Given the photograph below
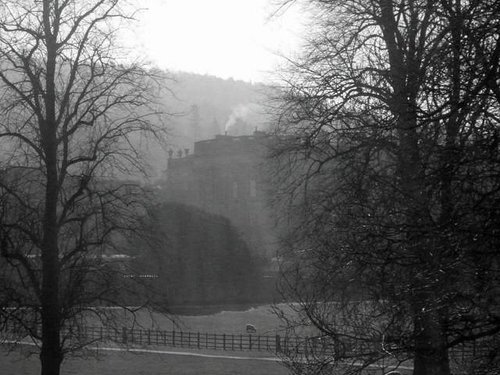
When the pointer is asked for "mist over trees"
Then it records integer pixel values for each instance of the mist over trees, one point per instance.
(216, 99)
(70, 114)
(204, 106)
(389, 169)
(211, 105)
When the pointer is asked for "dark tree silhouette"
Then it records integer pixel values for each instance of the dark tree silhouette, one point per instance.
(199, 258)
(389, 165)
(70, 113)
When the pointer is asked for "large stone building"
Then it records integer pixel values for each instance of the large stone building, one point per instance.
(226, 176)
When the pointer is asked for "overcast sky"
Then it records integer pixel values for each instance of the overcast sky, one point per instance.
(226, 38)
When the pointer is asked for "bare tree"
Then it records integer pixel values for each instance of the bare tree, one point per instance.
(71, 114)
(389, 162)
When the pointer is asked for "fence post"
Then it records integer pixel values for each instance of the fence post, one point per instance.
(198, 340)
(258, 343)
(173, 339)
(223, 341)
(278, 344)
(232, 342)
(241, 342)
(124, 335)
(250, 341)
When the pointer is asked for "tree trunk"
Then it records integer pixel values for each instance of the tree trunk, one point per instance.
(50, 359)
(51, 353)
(431, 354)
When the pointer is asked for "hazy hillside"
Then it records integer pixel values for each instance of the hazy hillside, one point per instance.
(203, 106)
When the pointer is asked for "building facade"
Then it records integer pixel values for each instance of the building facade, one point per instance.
(226, 176)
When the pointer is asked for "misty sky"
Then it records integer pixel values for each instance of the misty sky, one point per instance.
(226, 38)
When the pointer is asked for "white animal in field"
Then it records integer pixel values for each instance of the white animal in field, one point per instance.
(251, 328)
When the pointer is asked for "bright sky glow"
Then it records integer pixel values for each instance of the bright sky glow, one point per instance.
(226, 38)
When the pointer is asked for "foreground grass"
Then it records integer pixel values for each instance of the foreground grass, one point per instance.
(127, 363)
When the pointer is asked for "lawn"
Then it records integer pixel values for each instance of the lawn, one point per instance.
(127, 363)
(230, 322)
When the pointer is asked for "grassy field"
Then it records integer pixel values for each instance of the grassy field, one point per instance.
(119, 363)
(129, 363)
(231, 322)
(224, 321)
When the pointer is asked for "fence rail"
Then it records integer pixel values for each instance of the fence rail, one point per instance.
(200, 340)
(245, 342)
(276, 344)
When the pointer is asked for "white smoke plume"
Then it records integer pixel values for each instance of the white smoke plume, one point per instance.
(244, 119)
